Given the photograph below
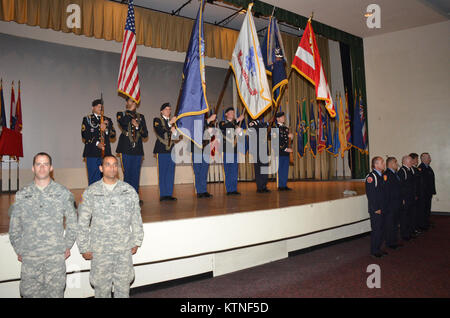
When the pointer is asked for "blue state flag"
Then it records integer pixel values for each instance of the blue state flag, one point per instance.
(193, 103)
(274, 58)
(358, 126)
(336, 142)
(312, 131)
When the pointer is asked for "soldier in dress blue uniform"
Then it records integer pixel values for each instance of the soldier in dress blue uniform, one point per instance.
(376, 197)
(200, 159)
(230, 128)
(428, 190)
(394, 202)
(284, 152)
(165, 133)
(415, 210)
(256, 127)
(90, 133)
(408, 192)
(134, 129)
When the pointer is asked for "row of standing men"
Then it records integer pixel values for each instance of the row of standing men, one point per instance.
(134, 129)
(399, 200)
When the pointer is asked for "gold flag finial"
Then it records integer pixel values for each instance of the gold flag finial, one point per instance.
(311, 16)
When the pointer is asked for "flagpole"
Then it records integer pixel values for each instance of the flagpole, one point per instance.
(222, 92)
(283, 89)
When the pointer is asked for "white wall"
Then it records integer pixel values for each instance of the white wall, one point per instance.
(407, 74)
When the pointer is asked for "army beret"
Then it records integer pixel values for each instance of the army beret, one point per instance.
(96, 102)
(228, 109)
(164, 106)
(279, 114)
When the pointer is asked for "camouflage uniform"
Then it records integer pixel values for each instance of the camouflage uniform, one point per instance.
(36, 232)
(109, 226)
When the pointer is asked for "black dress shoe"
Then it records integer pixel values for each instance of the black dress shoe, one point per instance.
(384, 253)
(171, 198)
(265, 190)
(236, 193)
(162, 198)
(200, 195)
(281, 189)
(377, 255)
(287, 189)
(393, 247)
(207, 195)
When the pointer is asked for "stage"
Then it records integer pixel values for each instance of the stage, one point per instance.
(221, 234)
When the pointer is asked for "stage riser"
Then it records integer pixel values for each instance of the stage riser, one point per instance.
(218, 244)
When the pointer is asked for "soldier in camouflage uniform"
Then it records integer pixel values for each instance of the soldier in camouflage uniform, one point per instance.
(36, 232)
(110, 231)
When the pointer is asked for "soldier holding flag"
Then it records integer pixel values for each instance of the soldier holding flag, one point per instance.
(91, 134)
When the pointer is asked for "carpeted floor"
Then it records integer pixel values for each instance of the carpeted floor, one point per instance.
(421, 268)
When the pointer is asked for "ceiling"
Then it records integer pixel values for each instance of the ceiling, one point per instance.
(346, 15)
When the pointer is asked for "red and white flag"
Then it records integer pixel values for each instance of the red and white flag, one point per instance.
(307, 62)
(128, 82)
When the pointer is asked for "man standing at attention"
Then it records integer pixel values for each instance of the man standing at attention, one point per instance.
(134, 129)
(165, 133)
(110, 231)
(36, 232)
(91, 132)
(376, 197)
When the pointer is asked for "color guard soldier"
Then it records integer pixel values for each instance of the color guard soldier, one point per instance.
(376, 197)
(408, 191)
(165, 133)
(230, 128)
(256, 127)
(394, 202)
(134, 129)
(284, 152)
(200, 165)
(91, 130)
(428, 189)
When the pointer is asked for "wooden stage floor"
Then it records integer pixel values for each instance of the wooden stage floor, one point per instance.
(189, 206)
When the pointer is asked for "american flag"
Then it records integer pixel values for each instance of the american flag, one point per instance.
(128, 81)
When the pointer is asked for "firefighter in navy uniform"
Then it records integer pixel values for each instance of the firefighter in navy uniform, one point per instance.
(394, 202)
(230, 128)
(90, 133)
(428, 190)
(165, 133)
(417, 177)
(376, 197)
(134, 129)
(408, 192)
(284, 152)
(200, 165)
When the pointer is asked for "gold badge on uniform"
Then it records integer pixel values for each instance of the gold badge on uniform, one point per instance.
(385, 177)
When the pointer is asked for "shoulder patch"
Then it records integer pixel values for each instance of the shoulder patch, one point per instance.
(156, 123)
(369, 179)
